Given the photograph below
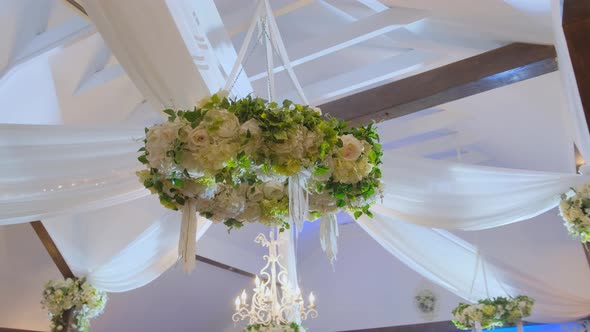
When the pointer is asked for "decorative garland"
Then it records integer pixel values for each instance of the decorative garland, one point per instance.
(575, 211)
(494, 312)
(234, 159)
(84, 299)
(293, 327)
(425, 301)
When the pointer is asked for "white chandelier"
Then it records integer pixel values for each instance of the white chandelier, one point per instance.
(275, 303)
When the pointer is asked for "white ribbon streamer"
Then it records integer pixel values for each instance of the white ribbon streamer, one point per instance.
(329, 236)
(298, 200)
(478, 326)
(187, 243)
(519, 327)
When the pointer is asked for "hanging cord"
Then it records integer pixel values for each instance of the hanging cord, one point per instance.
(475, 272)
(485, 277)
(282, 51)
(238, 64)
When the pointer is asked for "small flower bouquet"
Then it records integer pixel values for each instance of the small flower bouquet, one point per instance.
(78, 295)
(575, 211)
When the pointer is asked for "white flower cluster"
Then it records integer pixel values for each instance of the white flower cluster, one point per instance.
(84, 299)
(492, 312)
(233, 160)
(272, 328)
(426, 301)
(575, 211)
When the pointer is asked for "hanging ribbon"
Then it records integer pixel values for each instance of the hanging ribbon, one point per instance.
(478, 327)
(187, 243)
(329, 236)
(519, 327)
(298, 200)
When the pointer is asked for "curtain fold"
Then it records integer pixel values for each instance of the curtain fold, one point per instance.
(451, 195)
(55, 170)
(122, 247)
(457, 266)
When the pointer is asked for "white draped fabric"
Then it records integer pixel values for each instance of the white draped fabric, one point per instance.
(56, 170)
(457, 265)
(122, 247)
(81, 183)
(147, 44)
(452, 195)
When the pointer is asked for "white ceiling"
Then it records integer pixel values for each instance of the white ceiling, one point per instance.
(55, 68)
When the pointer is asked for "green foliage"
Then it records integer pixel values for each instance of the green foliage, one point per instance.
(278, 129)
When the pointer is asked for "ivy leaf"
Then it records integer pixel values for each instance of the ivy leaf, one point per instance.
(143, 159)
(321, 170)
(357, 214)
(178, 183)
(169, 111)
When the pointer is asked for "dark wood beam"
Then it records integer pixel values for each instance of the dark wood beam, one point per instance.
(76, 5)
(59, 261)
(224, 266)
(576, 28)
(490, 70)
(52, 249)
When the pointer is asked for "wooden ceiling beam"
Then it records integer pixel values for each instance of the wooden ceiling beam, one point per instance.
(59, 261)
(52, 249)
(576, 29)
(224, 267)
(490, 70)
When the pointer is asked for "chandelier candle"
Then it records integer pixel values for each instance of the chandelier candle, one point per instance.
(275, 304)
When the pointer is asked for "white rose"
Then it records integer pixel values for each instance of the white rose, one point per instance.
(198, 137)
(351, 147)
(251, 126)
(273, 190)
(159, 140)
(225, 123)
(251, 213)
(228, 203)
(254, 194)
(311, 143)
(316, 109)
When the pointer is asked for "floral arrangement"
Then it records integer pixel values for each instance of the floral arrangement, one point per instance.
(425, 301)
(81, 297)
(490, 313)
(234, 161)
(575, 211)
(293, 327)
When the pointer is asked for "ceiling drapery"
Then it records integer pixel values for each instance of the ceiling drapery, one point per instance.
(80, 188)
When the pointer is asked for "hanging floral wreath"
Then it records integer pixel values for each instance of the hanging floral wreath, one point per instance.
(494, 312)
(234, 159)
(84, 299)
(575, 211)
(293, 327)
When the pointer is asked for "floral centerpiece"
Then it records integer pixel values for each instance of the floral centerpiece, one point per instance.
(475, 316)
(78, 295)
(293, 327)
(493, 312)
(575, 210)
(516, 309)
(248, 160)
